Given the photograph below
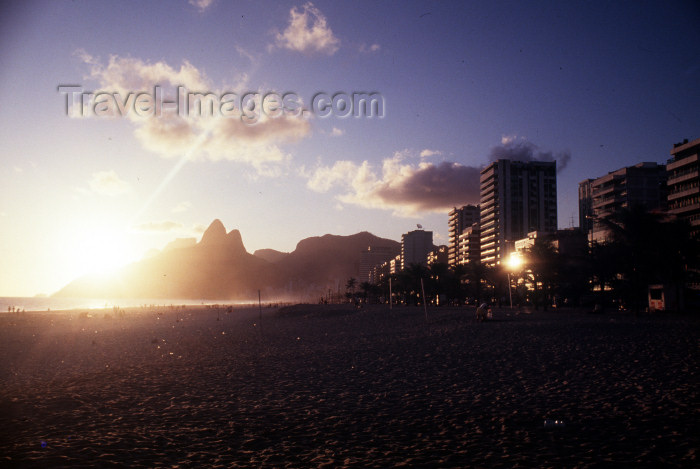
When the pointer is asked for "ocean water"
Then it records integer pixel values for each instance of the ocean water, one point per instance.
(57, 304)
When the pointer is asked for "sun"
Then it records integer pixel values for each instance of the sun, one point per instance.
(100, 250)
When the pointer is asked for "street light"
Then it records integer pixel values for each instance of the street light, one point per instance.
(513, 263)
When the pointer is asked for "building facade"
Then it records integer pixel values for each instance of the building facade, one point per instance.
(371, 257)
(469, 245)
(643, 184)
(585, 205)
(438, 255)
(460, 219)
(415, 246)
(516, 198)
(683, 183)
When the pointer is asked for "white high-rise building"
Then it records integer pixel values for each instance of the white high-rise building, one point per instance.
(516, 197)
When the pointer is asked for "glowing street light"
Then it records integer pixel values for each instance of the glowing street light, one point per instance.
(514, 262)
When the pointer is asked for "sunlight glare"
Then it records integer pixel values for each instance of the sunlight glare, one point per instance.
(100, 250)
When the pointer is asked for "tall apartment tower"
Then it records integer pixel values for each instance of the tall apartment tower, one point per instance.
(516, 197)
(585, 205)
(469, 245)
(683, 182)
(460, 219)
(415, 247)
(642, 184)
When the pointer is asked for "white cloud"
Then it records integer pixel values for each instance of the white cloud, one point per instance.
(109, 183)
(254, 142)
(199, 228)
(182, 207)
(128, 74)
(308, 32)
(336, 132)
(165, 226)
(406, 189)
(369, 49)
(326, 177)
(428, 153)
(202, 5)
(506, 139)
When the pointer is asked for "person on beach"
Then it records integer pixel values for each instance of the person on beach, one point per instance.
(482, 312)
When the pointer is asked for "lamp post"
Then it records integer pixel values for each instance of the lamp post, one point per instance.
(513, 263)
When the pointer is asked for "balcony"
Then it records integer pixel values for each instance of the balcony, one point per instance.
(676, 210)
(682, 162)
(685, 193)
(683, 176)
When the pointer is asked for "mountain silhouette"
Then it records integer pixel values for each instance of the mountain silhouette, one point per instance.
(270, 255)
(327, 262)
(219, 267)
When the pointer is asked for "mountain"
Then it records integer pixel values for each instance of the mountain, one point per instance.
(219, 267)
(270, 255)
(179, 243)
(320, 263)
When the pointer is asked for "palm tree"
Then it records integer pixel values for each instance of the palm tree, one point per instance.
(350, 287)
(366, 288)
(438, 280)
(542, 263)
(650, 248)
(604, 267)
(476, 276)
(454, 289)
(409, 281)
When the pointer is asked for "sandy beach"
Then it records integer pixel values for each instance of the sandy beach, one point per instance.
(332, 386)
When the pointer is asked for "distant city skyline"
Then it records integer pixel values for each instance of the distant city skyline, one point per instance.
(595, 86)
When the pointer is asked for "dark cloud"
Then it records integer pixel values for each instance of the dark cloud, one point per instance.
(432, 187)
(522, 150)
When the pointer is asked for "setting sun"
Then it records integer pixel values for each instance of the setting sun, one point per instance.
(98, 250)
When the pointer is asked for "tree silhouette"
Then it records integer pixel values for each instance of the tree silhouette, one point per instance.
(351, 284)
(647, 248)
(350, 287)
(476, 276)
(603, 269)
(409, 282)
(542, 263)
(438, 280)
(367, 288)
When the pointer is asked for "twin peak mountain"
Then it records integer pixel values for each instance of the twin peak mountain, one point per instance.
(219, 267)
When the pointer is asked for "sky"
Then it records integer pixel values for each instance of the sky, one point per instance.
(97, 180)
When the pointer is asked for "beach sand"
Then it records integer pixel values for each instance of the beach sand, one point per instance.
(332, 386)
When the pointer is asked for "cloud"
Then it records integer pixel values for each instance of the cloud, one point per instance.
(368, 50)
(125, 74)
(173, 134)
(520, 149)
(428, 153)
(308, 32)
(202, 5)
(406, 189)
(181, 207)
(159, 226)
(109, 183)
(336, 132)
(199, 228)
